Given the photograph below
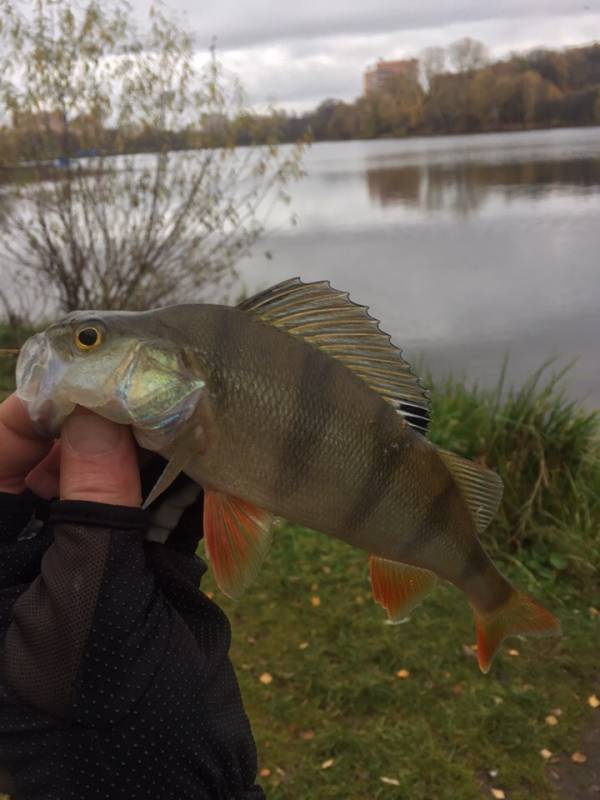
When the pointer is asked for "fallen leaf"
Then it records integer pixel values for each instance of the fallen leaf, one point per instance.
(315, 601)
(578, 758)
(593, 701)
(458, 688)
(280, 771)
(557, 712)
(551, 720)
(390, 781)
(498, 794)
(303, 645)
(513, 652)
(210, 595)
(265, 772)
(594, 612)
(545, 754)
(326, 569)
(307, 735)
(327, 764)
(314, 587)
(266, 678)
(403, 673)
(469, 650)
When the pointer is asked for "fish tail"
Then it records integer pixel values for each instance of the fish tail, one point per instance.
(519, 615)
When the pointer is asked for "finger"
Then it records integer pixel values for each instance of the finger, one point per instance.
(98, 461)
(43, 479)
(21, 446)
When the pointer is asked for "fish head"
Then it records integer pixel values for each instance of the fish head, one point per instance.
(115, 364)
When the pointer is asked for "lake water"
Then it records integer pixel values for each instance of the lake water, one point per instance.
(466, 248)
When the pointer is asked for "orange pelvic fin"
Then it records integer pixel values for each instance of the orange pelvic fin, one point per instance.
(520, 615)
(237, 536)
(398, 587)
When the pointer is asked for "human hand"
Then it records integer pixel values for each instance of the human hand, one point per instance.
(21, 446)
(95, 459)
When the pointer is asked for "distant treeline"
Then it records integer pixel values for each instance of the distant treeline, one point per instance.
(540, 89)
(448, 90)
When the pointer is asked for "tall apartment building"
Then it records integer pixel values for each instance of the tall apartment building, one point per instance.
(375, 77)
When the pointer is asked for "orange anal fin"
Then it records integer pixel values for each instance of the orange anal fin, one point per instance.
(398, 587)
(237, 536)
(521, 615)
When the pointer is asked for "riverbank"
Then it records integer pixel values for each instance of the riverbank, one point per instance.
(343, 705)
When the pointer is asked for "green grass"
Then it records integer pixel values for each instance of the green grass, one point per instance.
(445, 730)
(546, 449)
(438, 732)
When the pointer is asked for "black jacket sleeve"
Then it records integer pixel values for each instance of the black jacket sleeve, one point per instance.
(114, 642)
(23, 541)
(52, 620)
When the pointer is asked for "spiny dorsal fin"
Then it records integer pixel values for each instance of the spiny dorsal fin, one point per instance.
(328, 319)
(481, 488)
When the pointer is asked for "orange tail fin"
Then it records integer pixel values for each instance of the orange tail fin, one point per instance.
(519, 615)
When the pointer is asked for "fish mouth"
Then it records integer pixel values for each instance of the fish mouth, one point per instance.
(39, 370)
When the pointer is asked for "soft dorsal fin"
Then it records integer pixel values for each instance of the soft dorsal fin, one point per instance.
(328, 319)
(481, 488)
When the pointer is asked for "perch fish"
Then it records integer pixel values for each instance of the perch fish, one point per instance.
(295, 404)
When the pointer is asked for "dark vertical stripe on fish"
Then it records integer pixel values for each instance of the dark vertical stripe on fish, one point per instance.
(476, 562)
(310, 422)
(386, 454)
(433, 522)
(227, 340)
(477, 567)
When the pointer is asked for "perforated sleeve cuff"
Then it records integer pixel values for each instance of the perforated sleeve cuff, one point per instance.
(102, 515)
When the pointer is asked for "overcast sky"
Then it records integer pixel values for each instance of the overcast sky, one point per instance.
(296, 53)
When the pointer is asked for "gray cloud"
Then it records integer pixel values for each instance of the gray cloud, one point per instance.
(250, 22)
(299, 53)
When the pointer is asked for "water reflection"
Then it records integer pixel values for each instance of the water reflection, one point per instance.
(6, 200)
(464, 186)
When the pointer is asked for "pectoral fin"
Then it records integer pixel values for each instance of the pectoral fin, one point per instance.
(191, 443)
(398, 587)
(193, 439)
(237, 536)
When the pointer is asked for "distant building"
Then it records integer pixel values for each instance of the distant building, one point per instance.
(376, 77)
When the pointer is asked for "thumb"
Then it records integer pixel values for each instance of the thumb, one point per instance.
(98, 461)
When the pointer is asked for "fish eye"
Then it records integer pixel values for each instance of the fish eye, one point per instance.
(88, 338)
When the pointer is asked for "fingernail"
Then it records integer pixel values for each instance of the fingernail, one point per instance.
(90, 435)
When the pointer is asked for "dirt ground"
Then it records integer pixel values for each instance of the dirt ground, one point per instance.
(580, 781)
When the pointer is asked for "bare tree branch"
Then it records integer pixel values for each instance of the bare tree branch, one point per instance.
(119, 230)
